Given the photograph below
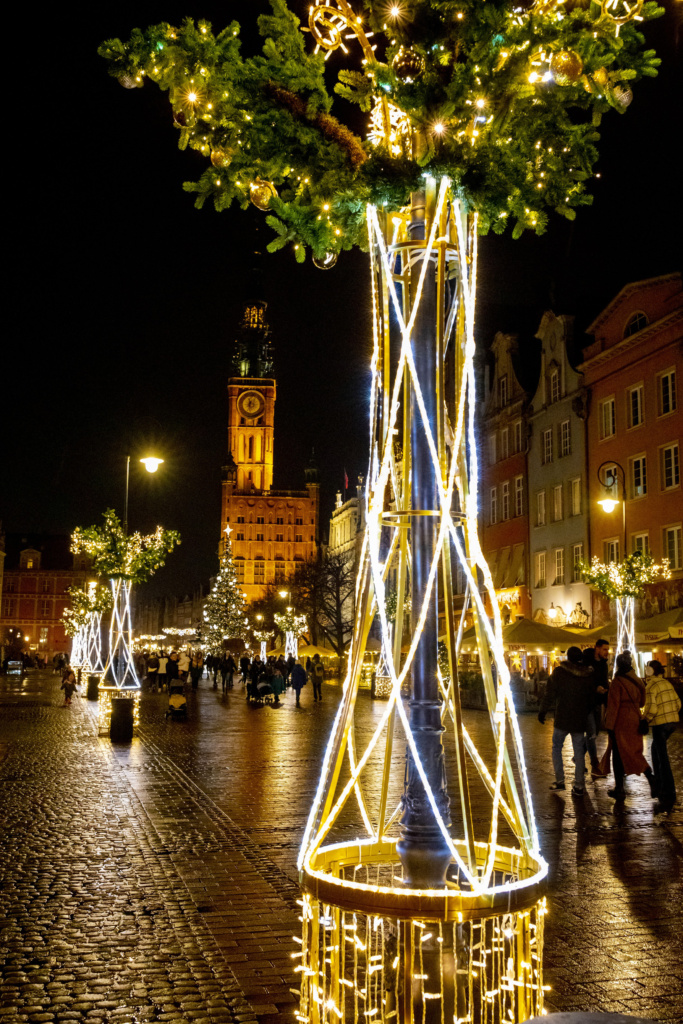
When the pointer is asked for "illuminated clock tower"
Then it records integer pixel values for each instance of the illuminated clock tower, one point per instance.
(271, 531)
(251, 393)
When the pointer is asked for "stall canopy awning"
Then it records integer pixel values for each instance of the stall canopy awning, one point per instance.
(652, 630)
(530, 635)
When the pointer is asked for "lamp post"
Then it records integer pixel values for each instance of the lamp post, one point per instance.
(610, 481)
(625, 606)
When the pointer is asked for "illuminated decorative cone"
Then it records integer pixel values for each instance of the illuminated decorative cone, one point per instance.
(430, 915)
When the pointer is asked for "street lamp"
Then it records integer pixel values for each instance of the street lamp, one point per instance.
(610, 483)
(151, 464)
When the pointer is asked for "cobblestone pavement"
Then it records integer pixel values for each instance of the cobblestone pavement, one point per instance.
(157, 881)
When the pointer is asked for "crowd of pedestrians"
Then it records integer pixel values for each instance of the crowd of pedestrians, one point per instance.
(585, 700)
(267, 679)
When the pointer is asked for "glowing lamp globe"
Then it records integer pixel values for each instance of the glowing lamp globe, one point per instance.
(151, 464)
(608, 504)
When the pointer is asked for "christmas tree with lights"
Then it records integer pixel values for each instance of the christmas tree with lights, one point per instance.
(225, 608)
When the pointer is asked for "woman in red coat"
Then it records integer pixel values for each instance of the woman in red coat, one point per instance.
(625, 698)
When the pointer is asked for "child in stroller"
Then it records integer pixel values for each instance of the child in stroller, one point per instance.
(177, 704)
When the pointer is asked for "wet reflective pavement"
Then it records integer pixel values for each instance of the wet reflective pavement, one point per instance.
(157, 881)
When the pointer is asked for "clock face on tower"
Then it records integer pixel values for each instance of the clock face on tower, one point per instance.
(251, 404)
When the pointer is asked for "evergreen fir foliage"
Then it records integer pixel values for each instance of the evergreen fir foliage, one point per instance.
(517, 141)
(225, 607)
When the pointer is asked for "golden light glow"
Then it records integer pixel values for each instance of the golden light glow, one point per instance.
(151, 463)
(608, 504)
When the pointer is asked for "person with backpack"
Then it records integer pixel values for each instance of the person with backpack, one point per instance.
(317, 676)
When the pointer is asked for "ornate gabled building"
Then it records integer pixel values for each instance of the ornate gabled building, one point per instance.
(504, 491)
(271, 531)
(558, 488)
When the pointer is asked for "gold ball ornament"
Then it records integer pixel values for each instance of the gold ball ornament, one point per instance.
(327, 262)
(220, 157)
(600, 77)
(622, 95)
(566, 67)
(130, 81)
(408, 65)
(261, 193)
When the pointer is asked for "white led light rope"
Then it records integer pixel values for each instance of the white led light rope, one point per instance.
(381, 470)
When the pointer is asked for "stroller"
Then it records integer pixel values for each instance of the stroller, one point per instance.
(177, 704)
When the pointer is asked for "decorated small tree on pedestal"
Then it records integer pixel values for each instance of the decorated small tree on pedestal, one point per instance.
(480, 114)
(125, 559)
(225, 607)
(291, 626)
(622, 582)
(88, 604)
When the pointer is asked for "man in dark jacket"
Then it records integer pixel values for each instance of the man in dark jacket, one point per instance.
(298, 675)
(571, 688)
(596, 658)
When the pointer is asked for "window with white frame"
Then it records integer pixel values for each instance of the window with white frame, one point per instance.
(635, 323)
(557, 503)
(494, 505)
(608, 418)
(575, 492)
(554, 386)
(638, 475)
(641, 542)
(635, 405)
(518, 435)
(671, 474)
(672, 546)
(611, 550)
(492, 449)
(519, 495)
(540, 508)
(503, 390)
(45, 607)
(565, 438)
(667, 392)
(577, 560)
(505, 500)
(559, 566)
(504, 443)
(548, 445)
(540, 569)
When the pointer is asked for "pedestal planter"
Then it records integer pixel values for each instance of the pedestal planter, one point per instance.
(93, 686)
(122, 715)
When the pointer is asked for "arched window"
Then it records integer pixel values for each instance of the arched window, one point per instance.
(251, 449)
(635, 323)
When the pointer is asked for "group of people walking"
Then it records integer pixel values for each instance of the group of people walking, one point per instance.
(160, 669)
(586, 700)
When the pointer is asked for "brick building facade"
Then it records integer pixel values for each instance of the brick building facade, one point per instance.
(39, 569)
(634, 370)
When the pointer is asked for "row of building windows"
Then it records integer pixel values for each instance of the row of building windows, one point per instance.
(635, 404)
(671, 546)
(638, 482)
(557, 502)
(261, 570)
(9, 607)
(279, 520)
(564, 442)
(511, 500)
(279, 537)
(499, 443)
(550, 567)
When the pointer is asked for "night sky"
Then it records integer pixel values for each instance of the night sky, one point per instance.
(124, 299)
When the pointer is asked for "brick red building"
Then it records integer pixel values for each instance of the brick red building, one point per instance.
(39, 568)
(504, 499)
(634, 370)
